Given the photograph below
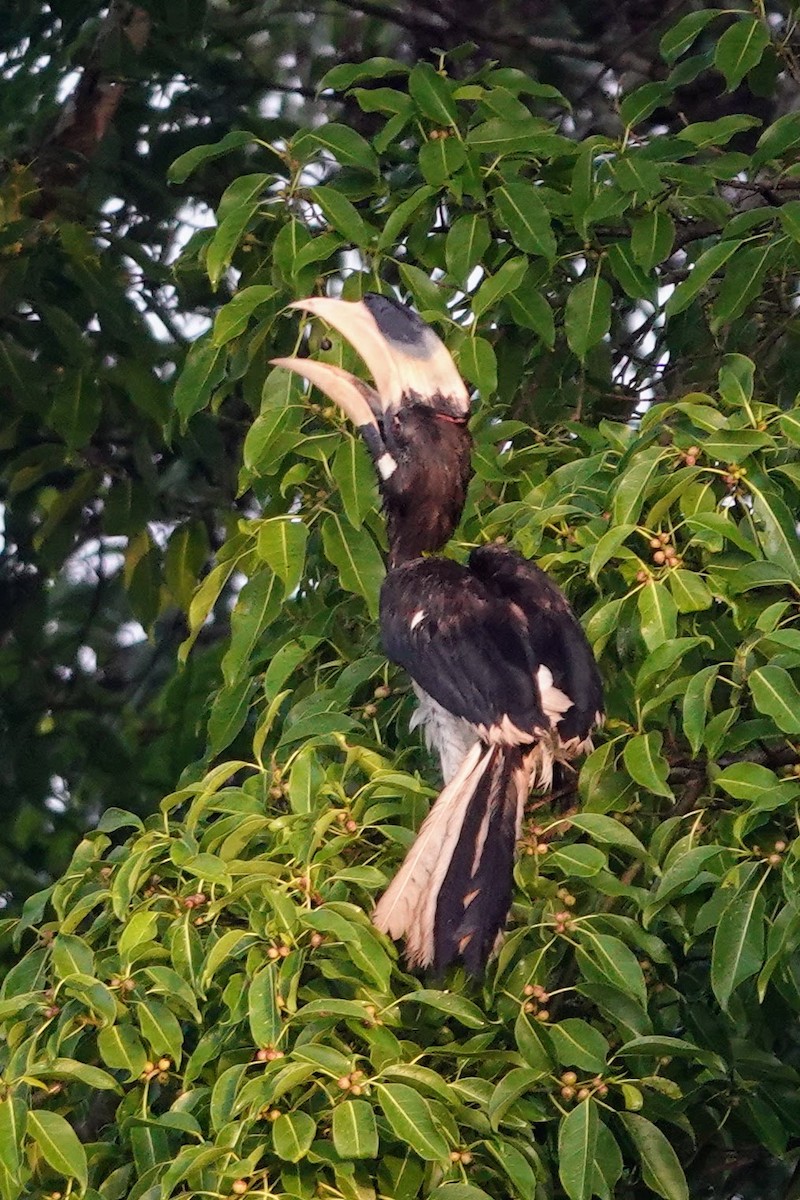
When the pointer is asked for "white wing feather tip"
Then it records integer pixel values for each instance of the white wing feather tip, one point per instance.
(408, 905)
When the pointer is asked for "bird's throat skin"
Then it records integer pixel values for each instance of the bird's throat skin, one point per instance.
(424, 494)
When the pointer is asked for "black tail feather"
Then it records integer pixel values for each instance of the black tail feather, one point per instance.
(475, 895)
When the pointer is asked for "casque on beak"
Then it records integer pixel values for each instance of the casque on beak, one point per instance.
(406, 359)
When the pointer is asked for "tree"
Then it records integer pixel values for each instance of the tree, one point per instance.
(201, 995)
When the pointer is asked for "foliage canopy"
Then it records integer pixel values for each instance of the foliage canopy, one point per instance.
(202, 997)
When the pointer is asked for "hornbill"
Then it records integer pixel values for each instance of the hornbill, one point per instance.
(506, 681)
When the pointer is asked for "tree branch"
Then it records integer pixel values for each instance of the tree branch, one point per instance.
(87, 115)
(417, 23)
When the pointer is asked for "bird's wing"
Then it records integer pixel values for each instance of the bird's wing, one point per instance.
(556, 638)
(464, 646)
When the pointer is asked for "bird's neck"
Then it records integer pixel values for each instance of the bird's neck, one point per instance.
(420, 524)
(424, 497)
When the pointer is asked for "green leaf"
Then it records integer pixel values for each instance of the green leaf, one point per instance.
(634, 485)
(121, 1049)
(776, 527)
(400, 216)
(229, 713)
(738, 949)
(257, 606)
(531, 309)
(441, 159)
(516, 1167)
(533, 1042)
(577, 1144)
(467, 241)
(697, 704)
(716, 133)
(185, 164)
(292, 1135)
(355, 1134)
(605, 959)
(71, 956)
(355, 480)
(636, 174)
(347, 146)
(645, 763)
(790, 425)
(58, 1144)
(477, 363)
(494, 287)
(578, 1044)
(432, 94)
(609, 832)
(789, 216)
(578, 861)
(262, 1007)
(661, 1170)
(658, 613)
(660, 1046)
(689, 591)
(677, 40)
(239, 202)
(203, 370)
(523, 213)
(587, 317)
(412, 1120)
(652, 238)
(160, 1029)
(709, 262)
(639, 104)
(499, 136)
(747, 781)
(356, 558)
(232, 319)
(775, 694)
(341, 214)
(513, 1084)
(632, 279)
(342, 77)
(282, 545)
(740, 49)
(13, 1112)
(75, 412)
(458, 1191)
(455, 1006)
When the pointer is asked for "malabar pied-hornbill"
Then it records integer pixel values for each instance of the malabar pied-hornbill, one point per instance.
(506, 682)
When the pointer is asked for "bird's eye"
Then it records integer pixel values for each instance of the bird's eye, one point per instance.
(325, 343)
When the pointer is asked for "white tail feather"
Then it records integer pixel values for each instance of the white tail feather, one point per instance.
(408, 905)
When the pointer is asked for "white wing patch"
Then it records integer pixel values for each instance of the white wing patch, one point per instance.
(554, 702)
(386, 466)
(417, 617)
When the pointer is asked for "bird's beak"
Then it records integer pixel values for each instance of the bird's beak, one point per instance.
(356, 399)
(404, 356)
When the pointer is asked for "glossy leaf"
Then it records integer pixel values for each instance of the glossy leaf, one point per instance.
(775, 694)
(738, 950)
(411, 1119)
(59, 1144)
(646, 764)
(355, 1134)
(577, 1143)
(661, 1170)
(587, 317)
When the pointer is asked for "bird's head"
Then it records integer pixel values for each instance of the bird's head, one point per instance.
(413, 421)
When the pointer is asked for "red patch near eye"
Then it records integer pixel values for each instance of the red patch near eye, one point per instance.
(447, 417)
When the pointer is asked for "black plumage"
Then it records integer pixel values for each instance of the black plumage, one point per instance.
(507, 683)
